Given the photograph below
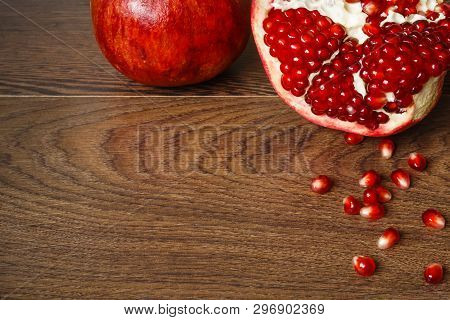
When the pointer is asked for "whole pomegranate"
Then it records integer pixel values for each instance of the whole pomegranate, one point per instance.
(171, 42)
(370, 67)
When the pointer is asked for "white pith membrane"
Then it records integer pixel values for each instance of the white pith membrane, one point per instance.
(351, 16)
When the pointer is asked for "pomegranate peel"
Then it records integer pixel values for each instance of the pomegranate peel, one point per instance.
(171, 43)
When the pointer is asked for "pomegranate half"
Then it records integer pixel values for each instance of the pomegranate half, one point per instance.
(171, 43)
(371, 67)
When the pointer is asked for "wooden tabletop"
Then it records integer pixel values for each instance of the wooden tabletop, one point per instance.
(110, 189)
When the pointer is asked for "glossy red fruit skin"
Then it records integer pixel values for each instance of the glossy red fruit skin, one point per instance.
(351, 205)
(321, 184)
(353, 138)
(417, 161)
(171, 43)
(434, 273)
(401, 179)
(364, 266)
(433, 219)
(388, 239)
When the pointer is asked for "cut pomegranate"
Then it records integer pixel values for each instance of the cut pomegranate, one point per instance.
(370, 196)
(433, 219)
(388, 239)
(387, 147)
(417, 161)
(353, 138)
(351, 205)
(364, 266)
(369, 179)
(321, 184)
(370, 67)
(373, 211)
(401, 179)
(434, 273)
(384, 195)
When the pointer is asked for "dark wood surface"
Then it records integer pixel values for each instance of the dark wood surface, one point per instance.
(86, 213)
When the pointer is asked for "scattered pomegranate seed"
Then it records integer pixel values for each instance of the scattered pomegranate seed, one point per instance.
(433, 219)
(384, 195)
(387, 147)
(321, 184)
(389, 238)
(434, 273)
(417, 161)
(369, 179)
(353, 138)
(373, 212)
(364, 266)
(351, 205)
(401, 179)
(370, 196)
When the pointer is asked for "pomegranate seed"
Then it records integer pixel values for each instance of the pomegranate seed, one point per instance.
(337, 31)
(388, 239)
(384, 195)
(417, 161)
(370, 196)
(321, 184)
(433, 219)
(434, 273)
(353, 138)
(364, 266)
(351, 205)
(369, 179)
(372, 212)
(401, 179)
(376, 101)
(387, 147)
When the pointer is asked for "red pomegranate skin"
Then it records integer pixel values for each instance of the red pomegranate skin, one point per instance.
(171, 43)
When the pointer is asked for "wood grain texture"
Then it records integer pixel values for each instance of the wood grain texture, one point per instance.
(85, 213)
(82, 218)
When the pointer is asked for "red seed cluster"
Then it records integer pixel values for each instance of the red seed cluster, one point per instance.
(332, 92)
(394, 62)
(377, 9)
(401, 60)
(301, 40)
